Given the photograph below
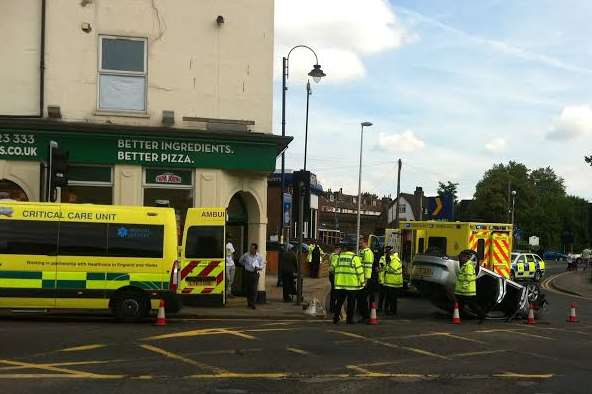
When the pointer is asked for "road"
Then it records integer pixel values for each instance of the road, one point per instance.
(418, 352)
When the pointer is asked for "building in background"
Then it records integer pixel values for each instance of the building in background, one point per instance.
(166, 101)
(411, 207)
(338, 215)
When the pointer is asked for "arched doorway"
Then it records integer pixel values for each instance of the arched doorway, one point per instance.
(237, 226)
(11, 190)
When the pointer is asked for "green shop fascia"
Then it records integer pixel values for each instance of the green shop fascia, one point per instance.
(153, 147)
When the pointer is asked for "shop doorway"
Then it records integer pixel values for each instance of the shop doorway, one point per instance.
(12, 191)
(237, 225)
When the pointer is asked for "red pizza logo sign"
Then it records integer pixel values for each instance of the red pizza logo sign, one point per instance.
(169, 178)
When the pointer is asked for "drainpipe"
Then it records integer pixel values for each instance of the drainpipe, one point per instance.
(41, 71)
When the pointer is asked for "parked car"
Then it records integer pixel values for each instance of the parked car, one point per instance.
(555, 256)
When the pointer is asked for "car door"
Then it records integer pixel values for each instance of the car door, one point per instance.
(530, 266)
(520, 272)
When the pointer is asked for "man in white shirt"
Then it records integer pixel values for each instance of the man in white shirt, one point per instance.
(229, 268)
(253, 263)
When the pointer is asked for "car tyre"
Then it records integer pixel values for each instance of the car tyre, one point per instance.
(538, 275)
(130, 306)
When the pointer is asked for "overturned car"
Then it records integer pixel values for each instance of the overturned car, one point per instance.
(435, 278)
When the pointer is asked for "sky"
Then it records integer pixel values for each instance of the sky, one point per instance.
(451, 87)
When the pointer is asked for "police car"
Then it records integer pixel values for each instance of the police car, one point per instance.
(527, 266)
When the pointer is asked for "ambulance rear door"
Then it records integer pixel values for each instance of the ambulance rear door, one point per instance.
(501, 253)
(202, 257)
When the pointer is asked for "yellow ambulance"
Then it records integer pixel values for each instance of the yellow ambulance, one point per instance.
(83, 256)
(202, 257)
(491, 241)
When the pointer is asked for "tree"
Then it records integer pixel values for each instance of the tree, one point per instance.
(588, 159)
(448, 188)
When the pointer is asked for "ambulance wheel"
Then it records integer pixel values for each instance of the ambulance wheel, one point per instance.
(130, 306)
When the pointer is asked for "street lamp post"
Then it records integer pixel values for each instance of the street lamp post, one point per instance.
(363, 124)
(513, 206)
(308, 93)
(316, 73)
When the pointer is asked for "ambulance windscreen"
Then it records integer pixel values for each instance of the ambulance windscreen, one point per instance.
(205, 242)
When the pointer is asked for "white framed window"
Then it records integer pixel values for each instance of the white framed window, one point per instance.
(122, 75)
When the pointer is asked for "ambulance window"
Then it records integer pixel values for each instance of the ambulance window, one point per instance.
(135, 240)
(30, 237)
(436, 246)
(205, 242)
(83, 239)
(480, 249)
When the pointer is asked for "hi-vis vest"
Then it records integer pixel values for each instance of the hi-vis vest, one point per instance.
(349, 273)
(367, 257)
(392, 273)
(466, 282)
(333, 261)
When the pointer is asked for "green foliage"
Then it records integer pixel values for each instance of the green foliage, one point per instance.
(448, 188)
(542, 207)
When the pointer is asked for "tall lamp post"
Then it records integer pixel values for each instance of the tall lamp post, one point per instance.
(363, 124)
(513, 206)
(316, 73)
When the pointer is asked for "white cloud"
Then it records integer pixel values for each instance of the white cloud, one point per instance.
(496, 145)
(340, 31)
(406, 141)
(573, 122)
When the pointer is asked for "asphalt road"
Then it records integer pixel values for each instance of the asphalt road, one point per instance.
(418, 352)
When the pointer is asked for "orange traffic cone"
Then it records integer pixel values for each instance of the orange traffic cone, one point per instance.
(373, 319)
(531, 314)
(572, 314)
(455, 314)
(160, 318)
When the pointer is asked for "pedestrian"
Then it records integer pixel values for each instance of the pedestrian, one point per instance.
(315, 261)
(349, 280)
(230, 268)
(289, 267)
(367, 257)
(465, 289)
(333, 263)
(392, 280)
(253, 263)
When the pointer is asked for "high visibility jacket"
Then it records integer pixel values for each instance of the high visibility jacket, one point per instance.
(349, 273)
(309, 254)
(367, 257)
(381, 267)
(392, 272)
(466, 281)
(333, 261)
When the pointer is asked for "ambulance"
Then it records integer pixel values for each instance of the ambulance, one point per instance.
(105, 257)
(84, 256)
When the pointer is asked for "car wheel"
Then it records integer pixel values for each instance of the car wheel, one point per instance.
(533, 292)
(130, 306)
(538, 275)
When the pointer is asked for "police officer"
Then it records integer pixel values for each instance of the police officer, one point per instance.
(349, 280)
(392, 279)
(367, 257)
(465, 289)
(333, 263)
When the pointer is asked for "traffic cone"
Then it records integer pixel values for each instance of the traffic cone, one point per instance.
(572, 314)
(373, 319)
(455, 314)
(531, 314)
(160, 318)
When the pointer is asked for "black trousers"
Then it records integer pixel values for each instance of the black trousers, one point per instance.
(381, 298)
(362, 300)
(471, 303)
(392, 299)
(252, 279)
(341, 296)
(314, 269)
(289, 287)
(332, 295)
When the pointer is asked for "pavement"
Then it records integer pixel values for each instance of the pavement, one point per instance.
(577, 283)
(274, 308)
(420, 351)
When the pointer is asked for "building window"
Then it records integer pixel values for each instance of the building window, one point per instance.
(122, 74)
(402, 209)
(89, 185)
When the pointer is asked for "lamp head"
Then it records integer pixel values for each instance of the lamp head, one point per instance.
(366, 124)
(317, 73)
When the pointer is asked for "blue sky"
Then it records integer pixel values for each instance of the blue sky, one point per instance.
(452, 87)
